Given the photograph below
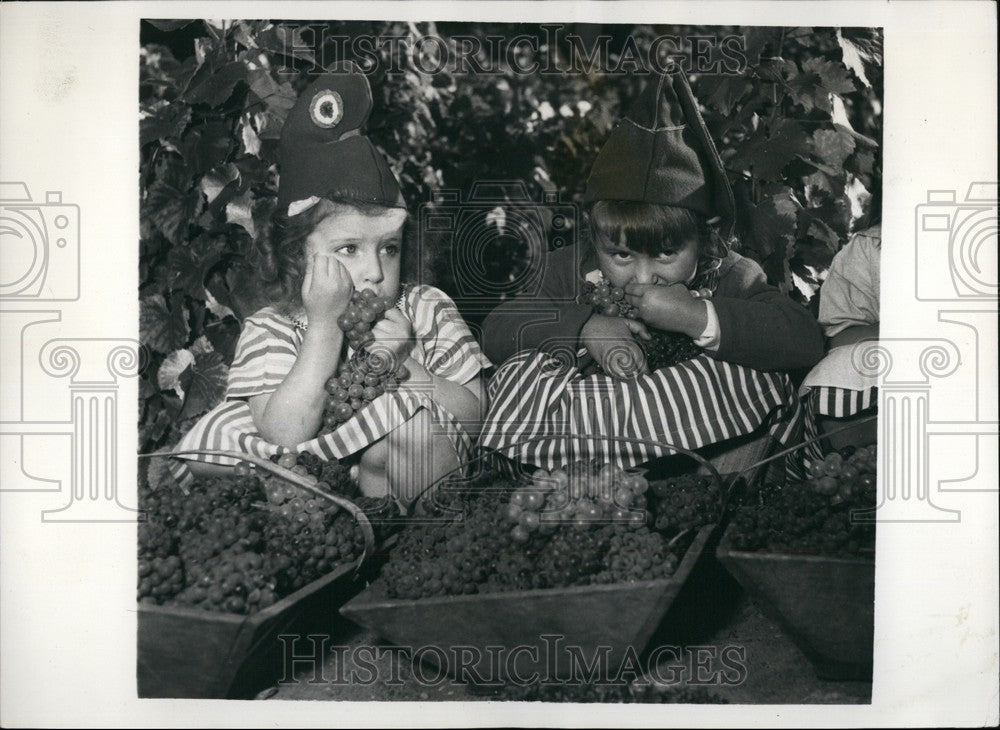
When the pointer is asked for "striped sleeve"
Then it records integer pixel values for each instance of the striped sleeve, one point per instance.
(448, 346)
(265, 352)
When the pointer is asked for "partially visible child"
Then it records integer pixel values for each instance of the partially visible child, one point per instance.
(661, 216)
(835, 392)
(340, 227)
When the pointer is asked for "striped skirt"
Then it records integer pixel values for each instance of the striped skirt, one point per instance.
(545, 413)
(833, 402)
(230, 427)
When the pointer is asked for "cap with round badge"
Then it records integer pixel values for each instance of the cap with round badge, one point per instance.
(324, 152)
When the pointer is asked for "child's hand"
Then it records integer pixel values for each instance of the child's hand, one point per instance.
(394, 333)
(326, 289)
(669, 307)
(611, 342)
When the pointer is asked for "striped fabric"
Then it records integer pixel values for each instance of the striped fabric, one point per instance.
(266, 352)
(835, 403)
(546, 414)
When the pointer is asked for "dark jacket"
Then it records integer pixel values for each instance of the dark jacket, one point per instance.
(759, 326)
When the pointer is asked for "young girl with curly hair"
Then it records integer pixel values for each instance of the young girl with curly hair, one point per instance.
(341, 226)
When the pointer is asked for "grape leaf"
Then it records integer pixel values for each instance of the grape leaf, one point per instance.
(162, 328)
(207, 146)
(818, 79)
(171, 202)
(722, 91)
(168, 377)
(213, 182)
(862, 162)
(215, 86)
(239, 210)
(770, 226)
(832, 146)
(168, 121)
(152, 429)
(767, 154)
(204, 384)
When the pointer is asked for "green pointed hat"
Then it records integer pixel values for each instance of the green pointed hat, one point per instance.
(324, 153)
(661, 152)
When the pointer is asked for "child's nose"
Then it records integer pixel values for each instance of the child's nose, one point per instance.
(645, 275)
(373, 270)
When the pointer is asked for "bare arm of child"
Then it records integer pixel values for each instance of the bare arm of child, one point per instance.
(294, 411)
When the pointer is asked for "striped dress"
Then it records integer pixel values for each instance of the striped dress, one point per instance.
(266, 352)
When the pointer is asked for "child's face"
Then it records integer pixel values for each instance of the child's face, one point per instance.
(621, 265)
(368, 246)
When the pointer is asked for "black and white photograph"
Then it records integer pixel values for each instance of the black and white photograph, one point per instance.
(532, 359)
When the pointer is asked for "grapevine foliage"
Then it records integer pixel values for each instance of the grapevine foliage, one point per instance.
(798, 130)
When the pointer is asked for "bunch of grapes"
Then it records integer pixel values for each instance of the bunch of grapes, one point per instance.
(239, 544)
(585, 494)
(814, 517)
(236, 582)
(843, 472)
(366, 375)
(685, 503)
(331, 475)
(663, 350)
(636, 555)
(572, 557)
(488, 544)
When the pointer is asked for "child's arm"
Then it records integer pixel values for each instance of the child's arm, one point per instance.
(761, 327)
(757, 325)
(293, 413)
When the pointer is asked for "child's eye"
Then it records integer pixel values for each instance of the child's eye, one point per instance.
(391, 249)
(668, 254)
(350, 249)
(622, 255)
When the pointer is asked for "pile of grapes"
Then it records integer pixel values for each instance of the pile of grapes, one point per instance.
(496, 536)
(638, 692)
(366, 375)
(818, 516)
(663, 350)
(240, 544)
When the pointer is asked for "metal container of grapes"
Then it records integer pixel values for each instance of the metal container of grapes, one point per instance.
(826, 604)
(191, 653)
(515, 634)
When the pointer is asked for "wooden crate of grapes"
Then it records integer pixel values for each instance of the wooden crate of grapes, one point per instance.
(577, 562)
(805, 555)
(194, 653)
(228, 566)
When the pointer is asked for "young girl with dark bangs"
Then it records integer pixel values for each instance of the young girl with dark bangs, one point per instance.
(340, 227)
(661, 218)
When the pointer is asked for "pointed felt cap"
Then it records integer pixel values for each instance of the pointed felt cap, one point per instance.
(323, 152)
(662, 153)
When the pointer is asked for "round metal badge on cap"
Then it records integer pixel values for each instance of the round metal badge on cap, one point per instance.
(326, 108)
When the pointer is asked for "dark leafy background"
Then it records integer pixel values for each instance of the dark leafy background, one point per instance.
(799, 132)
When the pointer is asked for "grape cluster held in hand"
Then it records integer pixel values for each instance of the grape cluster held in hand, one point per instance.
(663, 349)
